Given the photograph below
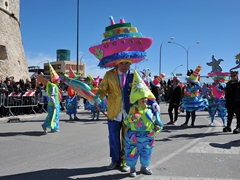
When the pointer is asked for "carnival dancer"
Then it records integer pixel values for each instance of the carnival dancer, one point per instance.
(146, 74)
(216, 99)
(192, 100)
(72, 104)
(95, 110)
(53, 109)
(72, 99)
(142, 127)
(122, 46)
(155, 86)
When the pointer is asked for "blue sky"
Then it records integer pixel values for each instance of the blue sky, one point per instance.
(50, 25)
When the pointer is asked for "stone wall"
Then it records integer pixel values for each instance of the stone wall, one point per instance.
(12, 56)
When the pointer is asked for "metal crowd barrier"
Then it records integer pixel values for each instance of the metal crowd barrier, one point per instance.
(2, 98)
(28, 99)
(20, 100)
(42, 100)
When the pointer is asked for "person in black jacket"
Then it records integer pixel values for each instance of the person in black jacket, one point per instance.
(17, 110)
(232, 97)
(174, 100)
(155, 88)
(3, 91)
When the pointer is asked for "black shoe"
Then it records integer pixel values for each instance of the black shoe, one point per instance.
(227, 129)
(236, 131)
(169, 123)
(113, 166)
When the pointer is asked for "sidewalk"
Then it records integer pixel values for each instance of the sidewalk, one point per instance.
(30, 116)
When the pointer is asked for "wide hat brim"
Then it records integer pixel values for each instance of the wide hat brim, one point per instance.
(221, 76)
(110, 53)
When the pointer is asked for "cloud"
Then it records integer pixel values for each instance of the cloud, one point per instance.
(38, 59)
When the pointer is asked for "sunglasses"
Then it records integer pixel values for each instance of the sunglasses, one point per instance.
(233, 75)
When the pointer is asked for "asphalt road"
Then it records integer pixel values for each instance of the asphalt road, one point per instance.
(80, 150)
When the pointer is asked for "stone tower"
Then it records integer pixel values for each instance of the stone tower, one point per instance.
(12, 56)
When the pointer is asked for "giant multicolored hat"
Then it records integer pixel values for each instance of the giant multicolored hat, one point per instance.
(216, 74)
(121, 42)
(194, 77)
(53, 75)
(139, 89)
(219, 76)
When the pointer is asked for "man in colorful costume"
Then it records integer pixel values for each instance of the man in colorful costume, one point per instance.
(192, 100)
(143, 124)
(52, 90)
(122, 46)
(216, 98)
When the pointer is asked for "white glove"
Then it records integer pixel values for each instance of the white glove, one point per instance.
(156, 107)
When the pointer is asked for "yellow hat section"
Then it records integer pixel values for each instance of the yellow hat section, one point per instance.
(139, 89)
(123, 60)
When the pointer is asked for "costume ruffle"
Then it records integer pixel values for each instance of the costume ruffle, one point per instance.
(193, 101)
(121, 55)
(193, 104)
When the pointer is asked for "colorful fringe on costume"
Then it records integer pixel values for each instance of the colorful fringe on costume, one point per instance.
(193, 100)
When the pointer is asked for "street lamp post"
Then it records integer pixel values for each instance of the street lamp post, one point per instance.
(186, 49)
(81, 61)
(77, 31)
(40, 63)
(137, 67)
(177, 68)
(160, 56)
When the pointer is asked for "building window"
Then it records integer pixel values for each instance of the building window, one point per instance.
(3, 53)
(74, 67)
(59, 66)
(6, 5)
(46, 68)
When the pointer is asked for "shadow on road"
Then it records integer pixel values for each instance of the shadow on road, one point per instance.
(227, 145)
(191, 136)
(29, 133)
(64, 174)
